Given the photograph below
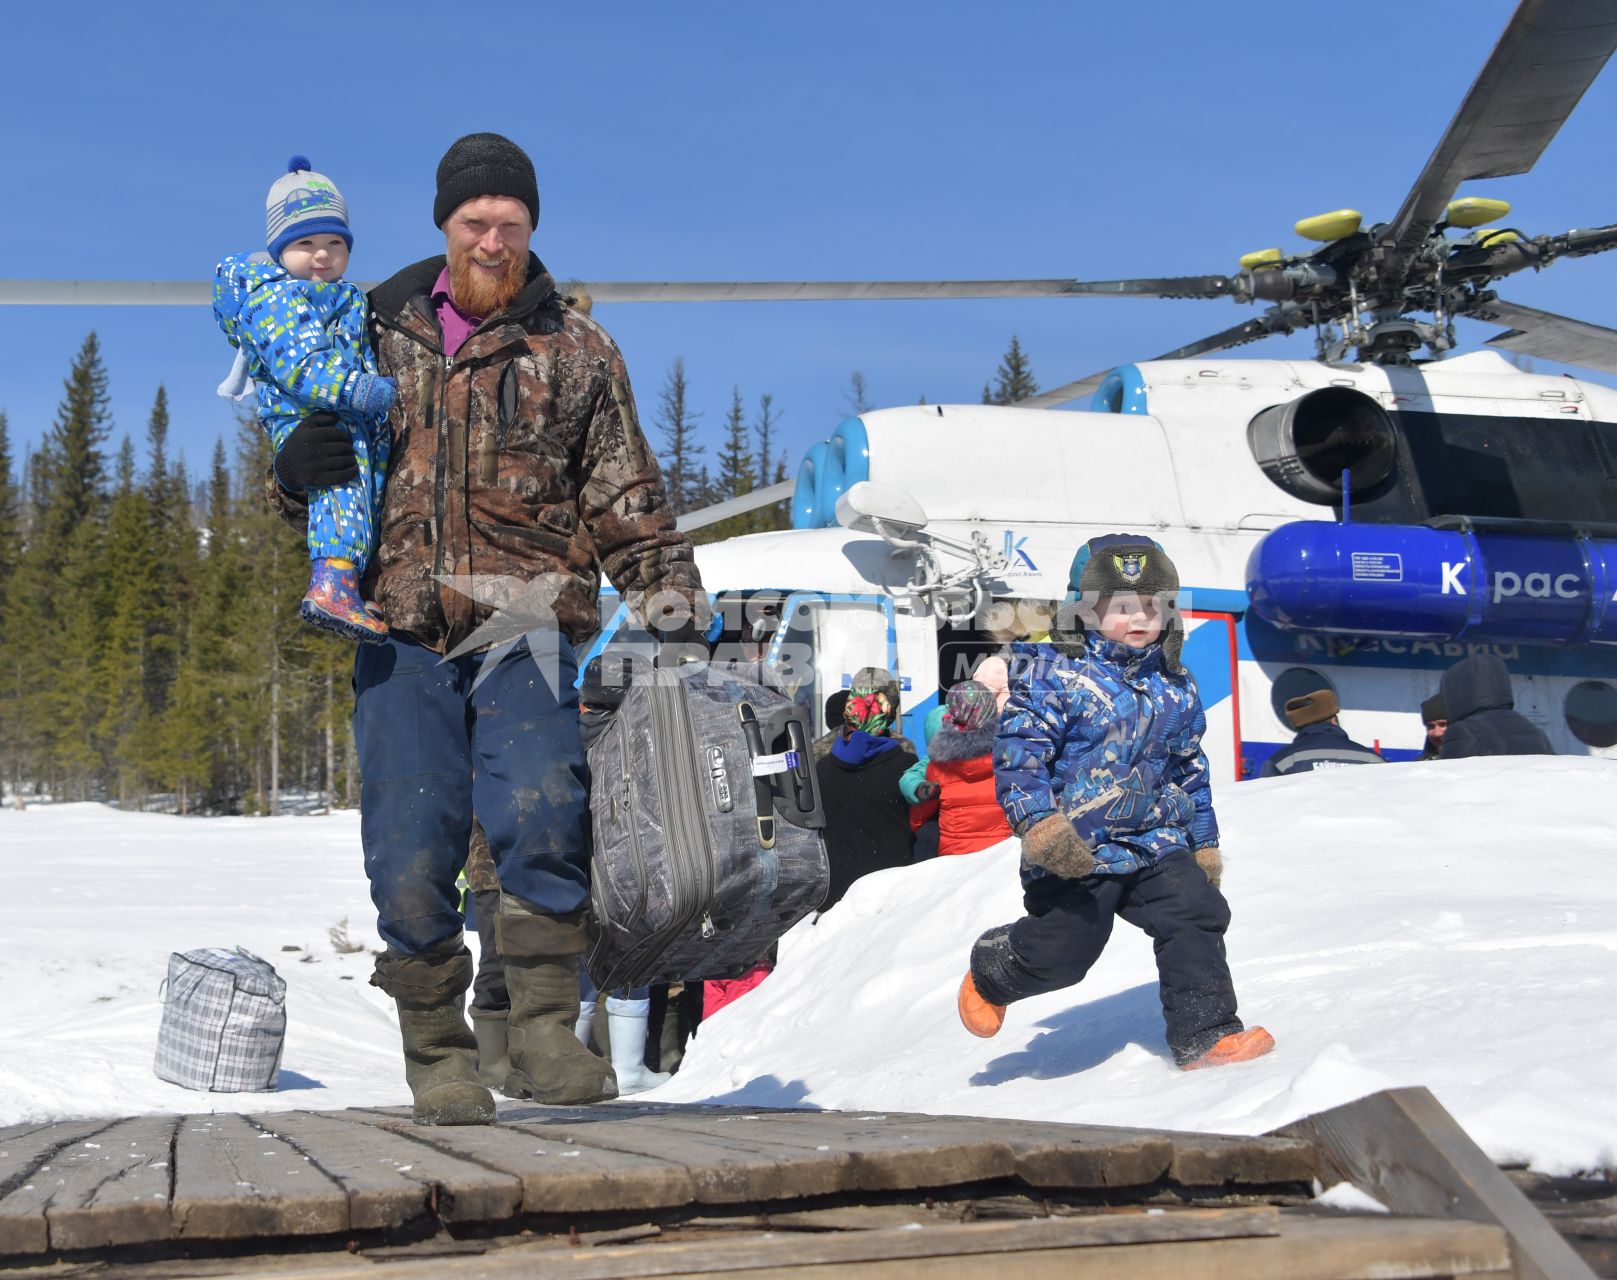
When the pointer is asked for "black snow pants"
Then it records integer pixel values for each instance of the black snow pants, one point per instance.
(1069, 922)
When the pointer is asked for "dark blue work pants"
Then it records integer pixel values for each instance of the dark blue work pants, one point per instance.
(491, 733)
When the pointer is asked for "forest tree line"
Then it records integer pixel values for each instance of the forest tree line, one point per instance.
(151, 652)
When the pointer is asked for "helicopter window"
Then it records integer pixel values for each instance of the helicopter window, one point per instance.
(1591, 713)
(1295, 682)
(823, 643)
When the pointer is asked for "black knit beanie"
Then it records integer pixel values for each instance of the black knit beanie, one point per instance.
(484, 164)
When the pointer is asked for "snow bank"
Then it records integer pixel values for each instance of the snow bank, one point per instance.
(99, 899)
(1451, 925)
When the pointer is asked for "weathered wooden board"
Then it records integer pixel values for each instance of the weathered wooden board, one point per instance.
(556, 1176)
(24, 1149)
(718, 1171)
(1403, 1148)
(392, 1178)
(889, 1152)
(108, 1188)
(233, 1181)
(1167, 1246)
(1216, 1160)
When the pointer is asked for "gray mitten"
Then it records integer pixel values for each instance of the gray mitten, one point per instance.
(1053, 844)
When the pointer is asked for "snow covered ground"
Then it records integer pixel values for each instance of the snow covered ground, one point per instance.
(1451, 925)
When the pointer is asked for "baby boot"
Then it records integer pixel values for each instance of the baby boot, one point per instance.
(333, 604)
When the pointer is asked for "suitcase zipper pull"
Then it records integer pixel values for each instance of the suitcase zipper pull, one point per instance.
(708, 928)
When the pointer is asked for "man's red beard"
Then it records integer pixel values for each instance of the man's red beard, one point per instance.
(481, 293)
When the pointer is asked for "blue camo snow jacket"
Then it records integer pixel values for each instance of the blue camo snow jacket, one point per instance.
(1102, 733)
(306, 341)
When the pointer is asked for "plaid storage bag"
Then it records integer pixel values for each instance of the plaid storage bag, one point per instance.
(224, 1021)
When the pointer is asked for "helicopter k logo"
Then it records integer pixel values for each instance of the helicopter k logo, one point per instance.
(1014, 553)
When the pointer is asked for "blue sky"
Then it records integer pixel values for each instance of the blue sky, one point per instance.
(748, 141)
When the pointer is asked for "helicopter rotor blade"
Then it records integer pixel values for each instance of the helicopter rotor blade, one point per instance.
(1064, 394)
(1550, 336)
(106, 293)
(1550, 52)
(193, 292)
(1260, 326)
(882, 290)
(765, 497)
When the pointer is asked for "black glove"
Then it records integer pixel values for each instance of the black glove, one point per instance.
(925, 791)
(320, 451)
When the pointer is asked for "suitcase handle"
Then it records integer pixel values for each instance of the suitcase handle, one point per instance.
(762, 792)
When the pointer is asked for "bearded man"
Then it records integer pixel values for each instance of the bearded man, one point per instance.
(519, 474)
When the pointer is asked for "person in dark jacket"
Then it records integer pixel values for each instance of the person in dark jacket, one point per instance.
(1321, 742)
(1483, 720)
(867, 821)
(519, 478)
(833, 724)
(1435, 716)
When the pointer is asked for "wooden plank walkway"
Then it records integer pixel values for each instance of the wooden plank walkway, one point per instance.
(172, 1184)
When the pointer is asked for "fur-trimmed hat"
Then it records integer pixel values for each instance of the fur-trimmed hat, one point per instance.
(1312, 708)
(1126, 563)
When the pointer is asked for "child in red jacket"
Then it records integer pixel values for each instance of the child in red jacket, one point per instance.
(959, 786)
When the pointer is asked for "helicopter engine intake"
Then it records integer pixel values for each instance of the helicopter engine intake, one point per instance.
(1307, 444)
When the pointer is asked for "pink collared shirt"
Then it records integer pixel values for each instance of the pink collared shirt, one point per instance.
(457, 326)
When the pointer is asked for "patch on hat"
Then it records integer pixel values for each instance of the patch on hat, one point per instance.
(1131, 567)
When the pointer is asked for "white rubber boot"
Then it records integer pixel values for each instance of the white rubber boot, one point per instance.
(586, 1021)
(626, 1028)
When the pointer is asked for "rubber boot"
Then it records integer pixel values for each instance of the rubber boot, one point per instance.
(493, 1058)
(548, 1064)
(979, 1016)
(1238, 1046)
(440, 1052)
(626, 1020)
(333, 603)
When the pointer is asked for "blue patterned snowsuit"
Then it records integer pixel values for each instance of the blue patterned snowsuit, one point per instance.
(307, 344)
(1114, 742)
(1104, 734)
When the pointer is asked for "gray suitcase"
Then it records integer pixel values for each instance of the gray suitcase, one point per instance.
(707, 820)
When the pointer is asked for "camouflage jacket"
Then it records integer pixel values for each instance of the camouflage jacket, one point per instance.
(519, 474)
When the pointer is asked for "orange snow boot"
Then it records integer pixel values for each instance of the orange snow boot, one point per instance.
(1238, 1046)
(977, 1015)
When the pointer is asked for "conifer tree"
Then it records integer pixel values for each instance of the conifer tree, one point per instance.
(856, 399)
(10, 515)
(59, 588)
(174, 559)
(1014, 379)
(70, 455)
(681, 476)
(764, 429)
(735, 459)
(120, 678)
(736, 476)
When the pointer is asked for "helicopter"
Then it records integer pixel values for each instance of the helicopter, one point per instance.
(1470, 504)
